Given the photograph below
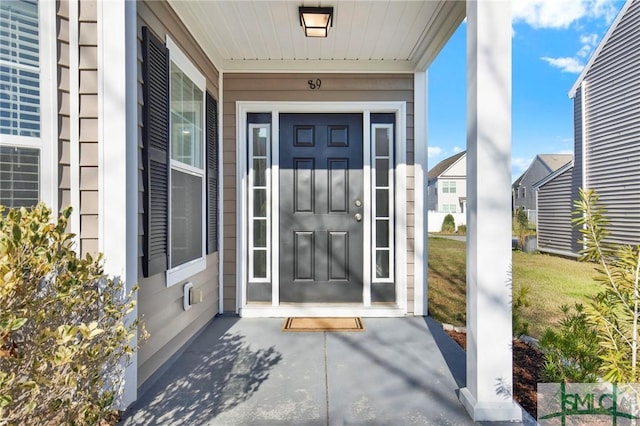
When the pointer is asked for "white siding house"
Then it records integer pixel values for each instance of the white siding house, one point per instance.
(447, 185)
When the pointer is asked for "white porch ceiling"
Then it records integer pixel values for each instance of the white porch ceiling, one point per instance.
(367, 36)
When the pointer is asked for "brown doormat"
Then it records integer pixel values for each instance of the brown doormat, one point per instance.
(322, 324)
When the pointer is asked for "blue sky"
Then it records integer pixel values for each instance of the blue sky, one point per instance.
(552, 41)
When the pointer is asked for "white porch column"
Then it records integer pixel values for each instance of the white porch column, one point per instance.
(420, 298)
(118, 154)
(488, 395)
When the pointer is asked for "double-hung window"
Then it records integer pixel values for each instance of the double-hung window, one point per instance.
(449, 187)
(24, 149)
(187, 167)
(179, 155)
(449, 208)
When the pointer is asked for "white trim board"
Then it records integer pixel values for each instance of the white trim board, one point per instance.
(117, 140)
(276, 108)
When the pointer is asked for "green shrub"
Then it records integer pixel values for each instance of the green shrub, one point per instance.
(571, 350)
(448, 224)
(520, 301)
(64, 338)
(615, 310)
(521, 227)
(601, 338)
(462, 229)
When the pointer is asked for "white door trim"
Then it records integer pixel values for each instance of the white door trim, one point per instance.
(276, 108)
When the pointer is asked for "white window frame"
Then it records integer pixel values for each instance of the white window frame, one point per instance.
(47, 142)
(446, 208)
(251, 218)
(447, 185)
(184, 271)
(374, 205)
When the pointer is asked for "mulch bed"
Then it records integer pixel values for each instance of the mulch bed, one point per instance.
(527, 363)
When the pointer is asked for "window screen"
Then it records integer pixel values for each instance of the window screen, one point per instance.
(19, 176)
(19, 69)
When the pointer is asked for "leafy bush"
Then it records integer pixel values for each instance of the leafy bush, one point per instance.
(615, 310)
(462, 229)
(571, 350)
(448, 224)
(600, 339)
(64, 338)
(521, 226)
(520, 301)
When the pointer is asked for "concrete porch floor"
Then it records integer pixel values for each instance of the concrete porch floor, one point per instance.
(400, 371)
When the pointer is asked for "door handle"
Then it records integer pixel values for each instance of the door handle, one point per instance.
(358, 217)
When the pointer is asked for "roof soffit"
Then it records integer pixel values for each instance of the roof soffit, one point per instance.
(367, 36)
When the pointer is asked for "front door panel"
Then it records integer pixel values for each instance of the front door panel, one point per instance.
(321, 193)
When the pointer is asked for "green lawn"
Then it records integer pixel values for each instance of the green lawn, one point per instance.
(553, 281)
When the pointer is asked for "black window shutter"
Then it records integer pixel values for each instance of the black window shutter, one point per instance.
(212, 174)
(155, 153)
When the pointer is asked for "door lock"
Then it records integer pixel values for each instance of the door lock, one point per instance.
(358, 203)
(358, 217)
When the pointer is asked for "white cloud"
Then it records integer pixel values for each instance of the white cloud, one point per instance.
(520, 164)
(604, 9)
(547, 13)
(434, 151)
(571, 65)
(575, 64)
(565, 151)
(457, 149)
(561, 14)
(589, 39)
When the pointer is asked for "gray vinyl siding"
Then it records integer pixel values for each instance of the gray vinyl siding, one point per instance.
(294, 87)
(555, 231)
(612, 94)
(577, 178)
(536, 171)
(160, 307)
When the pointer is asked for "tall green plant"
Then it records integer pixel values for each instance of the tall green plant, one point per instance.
(521, 226)
(448, 224)
(571, 348)
(63, 330)
(520, 301)
(615, 310)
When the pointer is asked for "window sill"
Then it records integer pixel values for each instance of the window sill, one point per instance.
(185, 271)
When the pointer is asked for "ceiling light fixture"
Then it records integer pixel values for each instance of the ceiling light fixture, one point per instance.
(316, 20)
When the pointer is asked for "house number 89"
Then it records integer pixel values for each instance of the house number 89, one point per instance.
(314, 84)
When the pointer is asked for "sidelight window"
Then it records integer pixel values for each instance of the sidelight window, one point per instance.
(259, 202)
(382, 198)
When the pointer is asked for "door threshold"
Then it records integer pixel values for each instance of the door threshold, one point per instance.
(325, 310)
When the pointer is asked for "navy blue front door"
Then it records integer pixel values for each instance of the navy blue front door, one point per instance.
(321, 209)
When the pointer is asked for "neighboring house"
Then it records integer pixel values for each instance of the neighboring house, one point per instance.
(555, 232)
(522, 189)
(607, 132)
(447, 185)
(213, 145)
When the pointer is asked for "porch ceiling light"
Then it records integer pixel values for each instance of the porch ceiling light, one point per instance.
(316, 20)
